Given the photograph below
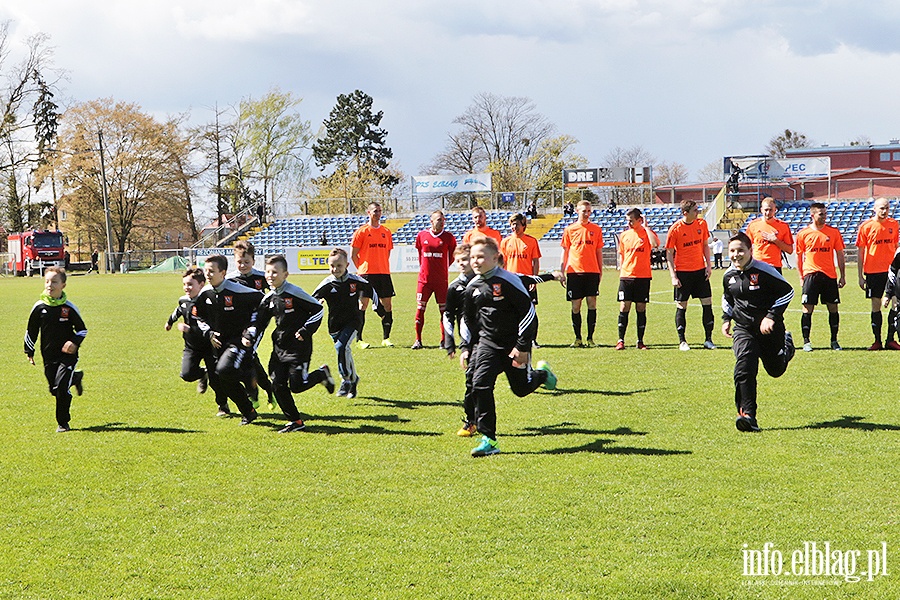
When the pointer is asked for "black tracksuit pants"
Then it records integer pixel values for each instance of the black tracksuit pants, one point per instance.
(486, 363)
(750, 347)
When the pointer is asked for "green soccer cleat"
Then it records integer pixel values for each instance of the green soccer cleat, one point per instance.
(550, 383)
(486, 447)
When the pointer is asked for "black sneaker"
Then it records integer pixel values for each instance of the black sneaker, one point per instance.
(328, 382)
(224, 412)
(249, 418)
(351, 391)
(746, 423)
(77, 379)
(292, 426)
(789, 348)
(203, 383)
(62, 428)
(345, 387)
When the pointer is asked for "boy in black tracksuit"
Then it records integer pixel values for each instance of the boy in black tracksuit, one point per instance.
(452, 317)
(297, 317)
(197, 348)
(62, 330)
(225, 310)
(247, 275)
(343, 291)
(501, 325)
(755, 297)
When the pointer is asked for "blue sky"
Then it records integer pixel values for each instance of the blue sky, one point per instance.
(689, 81)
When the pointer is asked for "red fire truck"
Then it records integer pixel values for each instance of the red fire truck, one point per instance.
(34, 250)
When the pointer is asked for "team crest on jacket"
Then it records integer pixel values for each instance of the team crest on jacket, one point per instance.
(754, 281)
(289, 303)
(194, 311)
(229, 301)
(498, 289)
(352, 288)
(64, 313)
(258, 284)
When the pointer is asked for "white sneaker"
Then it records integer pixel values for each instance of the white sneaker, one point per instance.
(709, 345)
(683, 346)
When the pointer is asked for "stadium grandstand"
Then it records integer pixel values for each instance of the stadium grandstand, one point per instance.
(307, 231)
(846, 216)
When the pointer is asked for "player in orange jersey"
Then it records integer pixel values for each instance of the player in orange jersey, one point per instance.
(687, 250)
(522, 254)
(636, 246)
(877, 243)
(372, 244)
(770, 236)
(480, 228)
(582, 268)
(818, 245)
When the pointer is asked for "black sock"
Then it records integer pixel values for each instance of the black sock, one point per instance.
(680, 322)
(592, 322)
(623, 324)
(876, 325)
(892, 325)
(834, 322)
(805, 326)
(576, 324)
(386, 323)
(709, 321)
(362, 324)
(641, 325)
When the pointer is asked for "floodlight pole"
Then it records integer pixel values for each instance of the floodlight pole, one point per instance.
(105, 205)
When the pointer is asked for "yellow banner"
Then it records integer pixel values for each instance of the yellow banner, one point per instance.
(313, 260)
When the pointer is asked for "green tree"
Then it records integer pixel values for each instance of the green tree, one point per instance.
(24, 137)
(500, 134)
(786, 141)
(269, 140)
(354, 144)
(145, 174)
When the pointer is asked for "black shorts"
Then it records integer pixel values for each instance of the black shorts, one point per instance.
(381, 283)
(634, 289)
(582, 285)
(875, 284)
(818, 285)
(694, 284)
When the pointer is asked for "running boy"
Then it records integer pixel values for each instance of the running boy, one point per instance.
(754, 297)
(62, 331)
(501, 324)
(297, 317)
(196, 347)
(225, 309)
(251, 277)
(453, 318)
(344, 292)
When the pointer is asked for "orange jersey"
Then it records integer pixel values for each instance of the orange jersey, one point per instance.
(765, 250)
(584, 243)
(519, 253)
(485, 231)
(877, 242)
(635, 249)
(816, 248)
(375, 245)
(689, 242)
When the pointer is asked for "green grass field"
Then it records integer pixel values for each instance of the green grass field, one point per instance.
(629, 481)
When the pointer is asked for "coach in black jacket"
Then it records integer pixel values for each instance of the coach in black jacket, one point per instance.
(754, 297)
